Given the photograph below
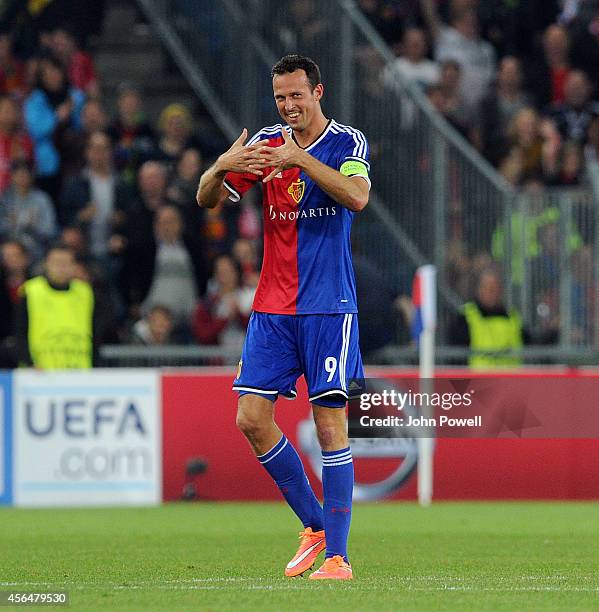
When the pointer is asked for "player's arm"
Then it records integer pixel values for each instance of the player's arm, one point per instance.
(239, 158)
(349, 191)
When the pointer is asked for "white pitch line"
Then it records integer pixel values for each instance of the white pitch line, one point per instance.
(184, 585)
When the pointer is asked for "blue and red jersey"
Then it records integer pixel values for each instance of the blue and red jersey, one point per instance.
(307, 266)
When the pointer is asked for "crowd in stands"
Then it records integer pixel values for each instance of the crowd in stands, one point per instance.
(119, 191)
(518, 79)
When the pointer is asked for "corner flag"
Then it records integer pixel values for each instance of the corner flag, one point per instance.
(424, 298)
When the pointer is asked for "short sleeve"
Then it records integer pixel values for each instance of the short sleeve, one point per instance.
(238, 183)
(354, 155)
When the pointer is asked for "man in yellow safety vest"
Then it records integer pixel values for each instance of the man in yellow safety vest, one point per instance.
(55, 317)
(492, 331)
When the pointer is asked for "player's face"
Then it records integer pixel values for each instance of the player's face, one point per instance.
(296, 101)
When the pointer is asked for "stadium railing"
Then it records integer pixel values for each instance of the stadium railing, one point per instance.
(434, 198)
(191, 356)
(132, 356)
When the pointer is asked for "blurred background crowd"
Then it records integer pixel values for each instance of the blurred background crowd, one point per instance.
(518, 78)
(116, 187)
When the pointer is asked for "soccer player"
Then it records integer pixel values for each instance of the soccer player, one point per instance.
(315, 177)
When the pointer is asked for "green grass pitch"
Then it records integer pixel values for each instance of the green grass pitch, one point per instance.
(461, 556)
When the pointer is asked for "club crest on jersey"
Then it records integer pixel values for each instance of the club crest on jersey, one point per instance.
(296, 190)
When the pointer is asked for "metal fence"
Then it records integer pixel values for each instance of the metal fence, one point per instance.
(551, 250)
(434, 198)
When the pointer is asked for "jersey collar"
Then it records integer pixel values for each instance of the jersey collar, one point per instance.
(318, 138)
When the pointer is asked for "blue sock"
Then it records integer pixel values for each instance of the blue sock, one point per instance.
(337, 485)
(284, 465)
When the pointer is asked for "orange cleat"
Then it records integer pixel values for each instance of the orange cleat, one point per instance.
(334, 568)
(312, 543)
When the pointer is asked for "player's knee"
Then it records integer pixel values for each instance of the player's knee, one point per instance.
(249, 423)
(244, 423)
(330, 437)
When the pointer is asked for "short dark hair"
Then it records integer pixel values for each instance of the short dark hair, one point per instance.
(61, 246)
(291, 63)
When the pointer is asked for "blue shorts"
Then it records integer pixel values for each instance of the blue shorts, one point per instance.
(278, 349)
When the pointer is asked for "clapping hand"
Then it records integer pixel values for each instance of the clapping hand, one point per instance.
(282, 157)
(240, 158)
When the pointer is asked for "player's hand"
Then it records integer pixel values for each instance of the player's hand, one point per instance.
(240, 158)
(282, 157)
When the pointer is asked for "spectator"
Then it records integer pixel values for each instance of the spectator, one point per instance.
(308, 29)
(167, 269)
(73, 236)
(528, 151)
(533, 223)
(12, 71)
(78, 64)
(106, 316)
(585, 39)
(14, 271)
(52, 108)
(223, 316)
(499, 108)
(392, 19)
(152, 184)
(461, 42)
(513, 27)
(570, 10)
(219, 229)
(584, 295)
(488, 327)
(413, 64)
(571, 165)
(27, 213)
(457, 266)
(151, 190)
(574, 115)
(156, 328)
(550, 71)
(93, 119)
(15, 144)
(451, 86)
(56, 317)
(132, 134)
(175, 127)
(591, 153)
(245, 256)
(98, 200)
(183, 186)
(447, 99)
(101, 277)
(16, 266)
(6, 315)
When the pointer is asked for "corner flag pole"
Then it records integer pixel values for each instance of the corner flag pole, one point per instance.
(425, 301)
